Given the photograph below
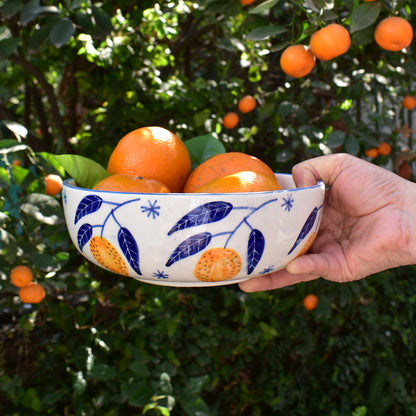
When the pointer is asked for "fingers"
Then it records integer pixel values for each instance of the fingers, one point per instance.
(274, 280)
(302, 269)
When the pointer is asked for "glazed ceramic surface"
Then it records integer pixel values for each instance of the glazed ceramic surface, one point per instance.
(193, 239)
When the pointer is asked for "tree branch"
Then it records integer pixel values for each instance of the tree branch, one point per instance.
(50, 94)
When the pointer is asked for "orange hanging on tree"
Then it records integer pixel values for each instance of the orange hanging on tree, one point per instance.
(393, 33)
(297, 61)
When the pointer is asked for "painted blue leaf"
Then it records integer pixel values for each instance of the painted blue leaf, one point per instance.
(88, 205)
(130, 248)
(203, 214)
(255, 249)
(84, 235)
(190, 246)
(306, 228)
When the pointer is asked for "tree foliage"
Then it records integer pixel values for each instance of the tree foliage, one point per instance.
(75, 76)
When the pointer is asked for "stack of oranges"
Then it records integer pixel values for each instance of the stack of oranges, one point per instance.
(393, 33)
(29, 292)
(155, 160)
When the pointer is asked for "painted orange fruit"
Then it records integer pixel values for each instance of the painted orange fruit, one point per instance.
(108, 256)
(217, 264)
(307, 244)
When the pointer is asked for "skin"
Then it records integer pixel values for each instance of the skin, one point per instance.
(368, 224)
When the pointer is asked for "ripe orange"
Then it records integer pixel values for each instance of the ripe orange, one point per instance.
(310, 302)
(53, 184)
(121, 182)
(297, 61)
(409, 102)
(330, 41)
(393, 33)
(230, 120)
(17, 162)
(152, 153)
(21, 276)
(246, 181)
(373, 152)
(32, 293)
(247, 104)
(246, 2)
(217, 264)
(384, 149)
(224, 164)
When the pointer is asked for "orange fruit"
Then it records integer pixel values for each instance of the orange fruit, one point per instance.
(384, 149)
(246, 2)
(297, 61)
(21, 276)
(230, 120)
(32, 293)
(224, 164)
(152, 153)
(108, 256)
(246, 181)
(330, 41)
(247, 104)
(310, 302)
(217, 264)
(17, 162)
(373, 152)
(393, 33)
(121, 182)
(409, 102)
(53, 184)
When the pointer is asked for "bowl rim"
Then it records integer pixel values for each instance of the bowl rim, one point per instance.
(71, 183)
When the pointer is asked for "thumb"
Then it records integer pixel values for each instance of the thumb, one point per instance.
(324, 168)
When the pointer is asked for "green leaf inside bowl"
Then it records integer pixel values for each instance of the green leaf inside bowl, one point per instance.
(86, 172)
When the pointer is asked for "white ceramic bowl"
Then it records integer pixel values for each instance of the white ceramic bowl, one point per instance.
(193, 239)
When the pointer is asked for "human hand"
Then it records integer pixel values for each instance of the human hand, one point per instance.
(367, 222)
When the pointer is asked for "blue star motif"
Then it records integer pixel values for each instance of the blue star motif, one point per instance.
(65, 198)
(152, 209)
(288, 204)
(160, 274)
(267, 269)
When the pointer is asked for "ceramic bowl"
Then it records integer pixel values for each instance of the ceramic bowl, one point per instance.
(193, 239)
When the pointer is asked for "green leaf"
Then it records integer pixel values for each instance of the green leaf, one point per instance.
(265, 32)
(263, 7)
(61, 32)
(8, 47)
(18, 129)
(102, 372)
(11, 146)
(352, 145)
(43, 208)
(11, 7)
(201, 148)
(29, 11)
(102, 20)
(364, 15)
(335, 139)
(8, 245)
(86, 172)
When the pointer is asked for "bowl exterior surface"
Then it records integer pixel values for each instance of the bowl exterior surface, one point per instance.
(193, 239)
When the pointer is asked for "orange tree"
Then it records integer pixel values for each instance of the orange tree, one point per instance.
(75, 77)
